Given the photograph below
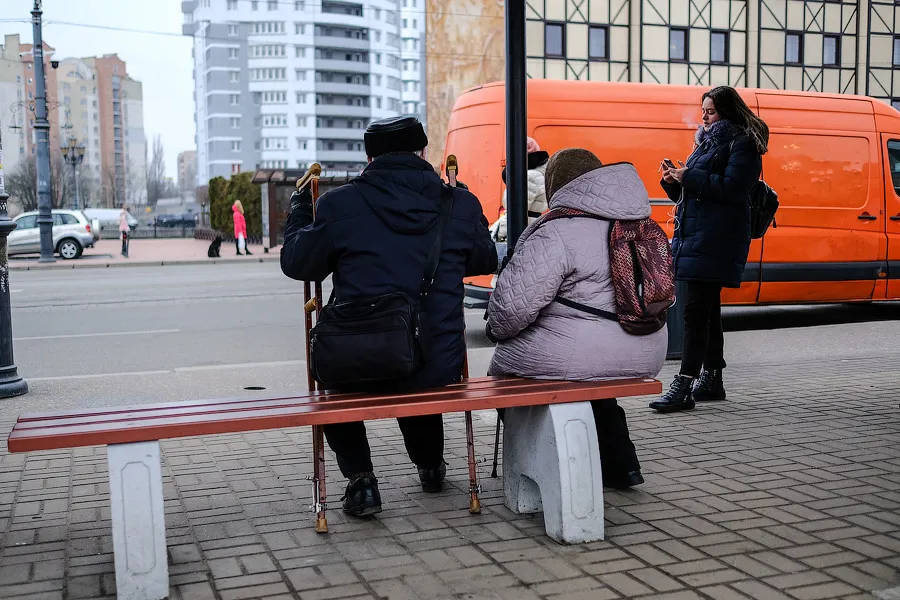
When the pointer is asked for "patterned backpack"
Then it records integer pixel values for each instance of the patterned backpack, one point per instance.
(640, 262)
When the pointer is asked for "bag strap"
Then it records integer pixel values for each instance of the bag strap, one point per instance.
(605, 314)
(437, 244)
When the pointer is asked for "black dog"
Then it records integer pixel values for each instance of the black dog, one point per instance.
(213, 251)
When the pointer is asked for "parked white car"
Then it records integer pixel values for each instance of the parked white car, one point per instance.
(72, 233)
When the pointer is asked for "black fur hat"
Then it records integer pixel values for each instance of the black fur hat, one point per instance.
(395, 134)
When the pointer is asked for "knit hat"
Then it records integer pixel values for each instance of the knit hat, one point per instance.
(395, 134)
(566, 166)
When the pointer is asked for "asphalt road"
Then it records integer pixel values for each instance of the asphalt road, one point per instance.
(97, 337)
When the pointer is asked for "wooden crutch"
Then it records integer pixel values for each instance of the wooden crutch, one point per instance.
(312, 303)
(474, 489)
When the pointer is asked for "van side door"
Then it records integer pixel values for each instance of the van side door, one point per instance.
(891, 152)
(824, 162)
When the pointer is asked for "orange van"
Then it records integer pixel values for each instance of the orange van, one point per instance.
(833, 159)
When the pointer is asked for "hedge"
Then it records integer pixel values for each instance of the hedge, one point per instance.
(222, 195)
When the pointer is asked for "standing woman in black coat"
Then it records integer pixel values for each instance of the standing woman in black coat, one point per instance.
(712, 236)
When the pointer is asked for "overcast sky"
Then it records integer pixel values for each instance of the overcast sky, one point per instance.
(161, 62)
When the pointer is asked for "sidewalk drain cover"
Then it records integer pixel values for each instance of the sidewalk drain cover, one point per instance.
(254, 388)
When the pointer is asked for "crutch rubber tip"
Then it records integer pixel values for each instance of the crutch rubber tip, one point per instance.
(494, 473)
(475, 506)
(321, 525)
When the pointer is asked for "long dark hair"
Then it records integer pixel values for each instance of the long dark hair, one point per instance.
(732, 107)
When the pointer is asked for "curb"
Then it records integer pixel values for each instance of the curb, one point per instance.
(156, 263)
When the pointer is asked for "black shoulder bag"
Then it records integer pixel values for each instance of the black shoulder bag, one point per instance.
(763, 206)
(377, 339)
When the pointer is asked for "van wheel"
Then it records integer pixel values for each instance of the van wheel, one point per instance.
(69, 249)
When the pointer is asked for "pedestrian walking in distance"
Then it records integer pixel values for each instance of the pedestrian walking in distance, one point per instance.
(124, 230)
(240, 228)
(712, 236)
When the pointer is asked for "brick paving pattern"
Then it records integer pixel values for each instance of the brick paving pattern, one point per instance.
(788, 491)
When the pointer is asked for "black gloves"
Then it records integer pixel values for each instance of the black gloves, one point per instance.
(302, 199)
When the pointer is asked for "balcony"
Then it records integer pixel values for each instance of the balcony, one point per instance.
(343, 66)
(189, 29)
(340, 133)
(342, 110)
(354, 89)
(188, 6)
(325, 156)
(342, 43)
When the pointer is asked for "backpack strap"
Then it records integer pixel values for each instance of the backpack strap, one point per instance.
(604, 314)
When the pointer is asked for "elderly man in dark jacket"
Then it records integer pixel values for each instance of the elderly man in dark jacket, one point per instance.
(371, 236)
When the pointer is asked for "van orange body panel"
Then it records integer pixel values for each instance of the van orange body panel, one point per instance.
(827, 160)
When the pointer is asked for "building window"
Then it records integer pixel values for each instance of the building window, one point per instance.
(232, 30)
(897, 50)
(273, 5)
(831, 50)
(234, 76)
(678, 44)
(232, 4)
(301, 98)
(793, 48)
(301, 121)
(235, 122)
(301, 74)
(235, 145)
(718, 47)
(234, 99)
(233, 52)
(254, 5)
(554, 39)
(299, 5)
(598, 43)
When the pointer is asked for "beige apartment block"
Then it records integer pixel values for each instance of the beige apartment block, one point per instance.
(840, 46)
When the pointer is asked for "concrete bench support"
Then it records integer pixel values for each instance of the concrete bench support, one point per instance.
(551, 461)
(138, 521)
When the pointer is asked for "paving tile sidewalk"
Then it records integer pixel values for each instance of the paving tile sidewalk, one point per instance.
(150, 252)
(788, 490)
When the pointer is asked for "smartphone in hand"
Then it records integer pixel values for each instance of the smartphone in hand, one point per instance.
(668, 162)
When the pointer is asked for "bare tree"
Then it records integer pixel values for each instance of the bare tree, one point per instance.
(156, 173)
(113, 193)
(21, 184)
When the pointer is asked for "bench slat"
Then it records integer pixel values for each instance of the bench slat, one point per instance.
(208, 418)
(335, 401)
(472, 383)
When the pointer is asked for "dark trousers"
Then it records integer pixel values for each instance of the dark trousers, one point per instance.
(423, 436)
(618, 456)
(704, 341)
(124, 243)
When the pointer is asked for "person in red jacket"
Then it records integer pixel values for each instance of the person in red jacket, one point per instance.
(240, 228)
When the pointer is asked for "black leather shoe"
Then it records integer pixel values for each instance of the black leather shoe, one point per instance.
(433, 479)
(678, 397)
(362, 498)
(631, 479)
(709, 387)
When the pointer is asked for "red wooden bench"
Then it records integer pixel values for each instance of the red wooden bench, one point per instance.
(132, 436)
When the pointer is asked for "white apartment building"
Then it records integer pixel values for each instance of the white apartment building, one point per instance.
(412, 56)
(283, 84)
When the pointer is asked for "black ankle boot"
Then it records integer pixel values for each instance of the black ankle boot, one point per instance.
(678, 397)
(433, 479)
(709, 387)
(362, 498)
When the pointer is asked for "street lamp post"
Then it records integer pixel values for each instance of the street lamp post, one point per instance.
(10, 382)
(73, 154)
(42, 133)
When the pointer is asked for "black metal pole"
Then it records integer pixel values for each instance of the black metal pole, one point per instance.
(42, 133)
(10, 382)
(516, 124)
